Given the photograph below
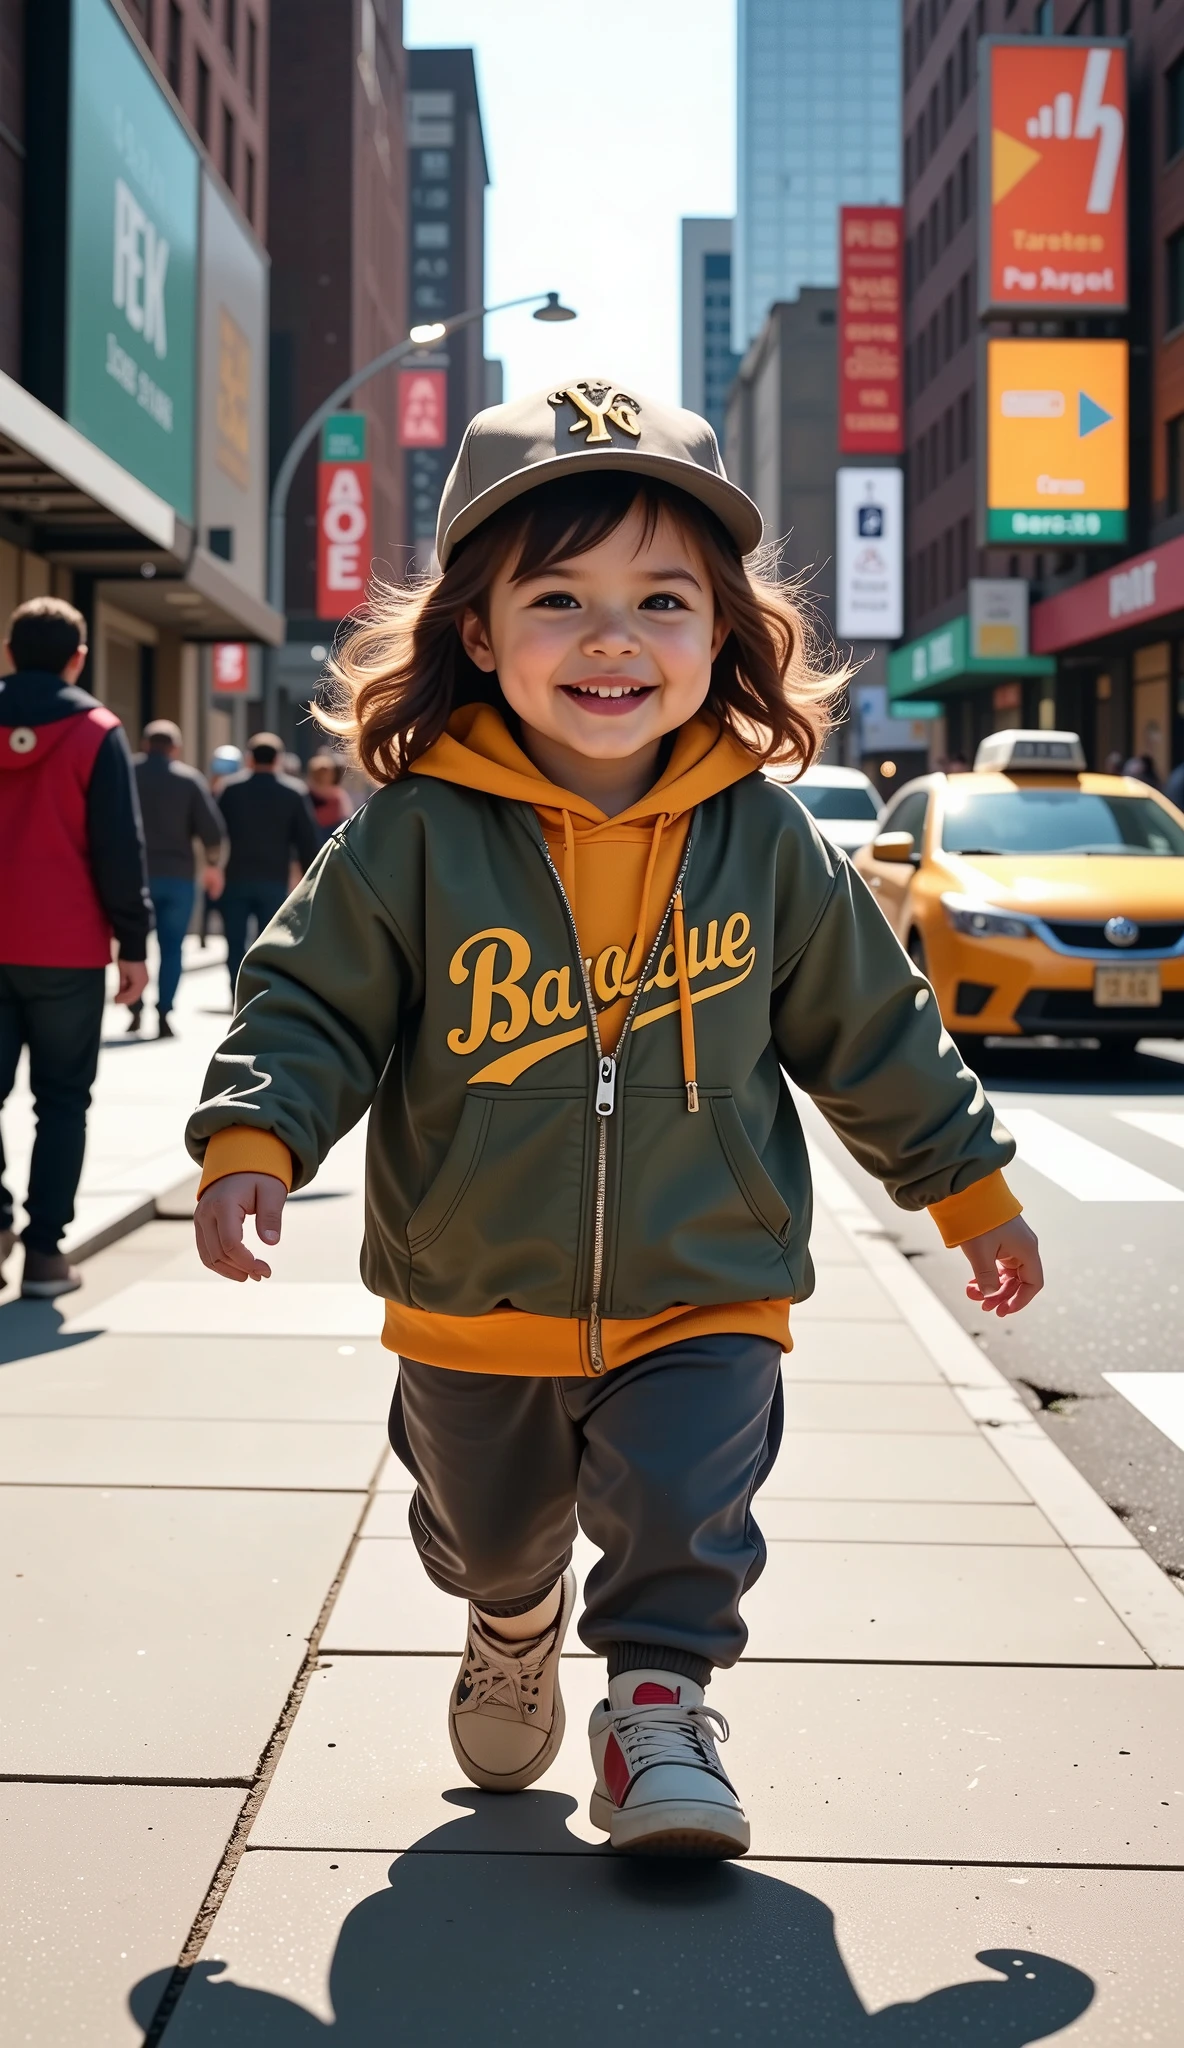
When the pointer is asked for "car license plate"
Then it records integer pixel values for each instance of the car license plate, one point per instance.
(1132, 988)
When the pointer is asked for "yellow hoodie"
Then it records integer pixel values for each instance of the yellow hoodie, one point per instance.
(618, 875)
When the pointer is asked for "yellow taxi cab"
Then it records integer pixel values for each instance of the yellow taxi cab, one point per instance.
(1041, 901)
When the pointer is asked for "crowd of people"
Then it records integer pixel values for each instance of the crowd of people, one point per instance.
(109, 847)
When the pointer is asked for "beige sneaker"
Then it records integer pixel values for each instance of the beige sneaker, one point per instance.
(506, 1718)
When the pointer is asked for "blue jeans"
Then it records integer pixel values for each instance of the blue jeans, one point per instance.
(240, 903)
(172, 900)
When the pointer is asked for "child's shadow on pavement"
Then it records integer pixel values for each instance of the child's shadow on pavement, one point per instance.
(586, 1949)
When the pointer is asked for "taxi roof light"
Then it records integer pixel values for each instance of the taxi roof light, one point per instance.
(1012, 751)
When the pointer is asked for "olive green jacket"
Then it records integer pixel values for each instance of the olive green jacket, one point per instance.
(427, 969)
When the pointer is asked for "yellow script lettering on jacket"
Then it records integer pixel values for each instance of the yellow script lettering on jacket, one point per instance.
(505, 1000)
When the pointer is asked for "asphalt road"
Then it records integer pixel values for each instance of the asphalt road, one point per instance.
(1110, 1215)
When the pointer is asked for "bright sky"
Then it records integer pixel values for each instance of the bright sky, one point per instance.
(604, 124)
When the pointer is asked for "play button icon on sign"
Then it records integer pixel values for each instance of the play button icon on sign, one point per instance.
(1090, 415)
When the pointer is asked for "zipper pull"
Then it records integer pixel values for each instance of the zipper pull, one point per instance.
(606, 1086)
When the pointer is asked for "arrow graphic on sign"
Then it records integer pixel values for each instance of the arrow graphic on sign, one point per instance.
(1090, 415)
(1010, 161)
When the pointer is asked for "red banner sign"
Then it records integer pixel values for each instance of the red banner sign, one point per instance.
(231, 668)
(1142, 588)
(423, 408)
(871, 330)
(1055, 122)
(343, 536)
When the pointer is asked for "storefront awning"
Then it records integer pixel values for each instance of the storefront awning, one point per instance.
(941, 665)
(1133, 593)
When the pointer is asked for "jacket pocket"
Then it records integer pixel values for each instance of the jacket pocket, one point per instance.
(697, 1216)
(447, 1191)
(755, 1184)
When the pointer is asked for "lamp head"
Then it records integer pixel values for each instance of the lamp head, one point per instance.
(433, 331)
(553, 310)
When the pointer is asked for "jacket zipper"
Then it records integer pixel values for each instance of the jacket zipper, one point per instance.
(606, 1084)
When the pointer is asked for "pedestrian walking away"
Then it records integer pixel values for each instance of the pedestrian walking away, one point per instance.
(70, 830)
(177, 810)
(331, 806)
(270, 824)
(566, 956)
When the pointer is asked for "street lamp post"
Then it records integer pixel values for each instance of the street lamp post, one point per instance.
(420, 337)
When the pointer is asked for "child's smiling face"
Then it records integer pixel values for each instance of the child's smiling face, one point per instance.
(604, 654)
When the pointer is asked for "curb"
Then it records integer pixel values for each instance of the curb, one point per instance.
(1148, 1603)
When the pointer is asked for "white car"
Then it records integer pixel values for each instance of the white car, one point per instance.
(843, 803)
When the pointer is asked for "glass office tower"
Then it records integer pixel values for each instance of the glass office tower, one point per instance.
(708, 365)
(818, 127)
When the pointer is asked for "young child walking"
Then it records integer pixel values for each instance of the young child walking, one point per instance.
(566, 956)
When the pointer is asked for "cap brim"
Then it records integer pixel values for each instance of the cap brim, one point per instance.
(731, 506)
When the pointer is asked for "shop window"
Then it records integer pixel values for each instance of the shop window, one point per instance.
(1175, 452)
(202, 109)
(1174, 85)
(1175, 278)
(174, 53)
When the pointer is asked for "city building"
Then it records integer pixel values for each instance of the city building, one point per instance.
(133, 360)
(818, 127)
(708, 363)
(213, 54)
(337, 239)
(1106, 622)
(781, 439)
(448, 175)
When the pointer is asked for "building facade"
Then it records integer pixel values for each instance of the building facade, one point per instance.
(781, 440)
(448, 175)
(1106, 653)
(708, 363)
(213, 53)
(818, 127)
(337, 239)
(133, 360)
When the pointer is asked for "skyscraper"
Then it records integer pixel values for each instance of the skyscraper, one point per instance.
(818, 127)
(708, 364)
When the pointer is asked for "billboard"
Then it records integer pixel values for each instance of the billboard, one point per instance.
(230, 668)
(232, 447)
(871, 333)
(1053, 174)
(344, 527)
(1056, 442)
(869, 554)
(131, 261)
(423, 408)
(998, 617)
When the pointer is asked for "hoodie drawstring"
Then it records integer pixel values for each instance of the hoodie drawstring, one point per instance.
(637, 950)
(569, 861)
(686, 1014)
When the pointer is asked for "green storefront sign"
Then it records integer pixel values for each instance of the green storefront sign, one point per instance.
(343, 437)
(942, 662)
(131, 262)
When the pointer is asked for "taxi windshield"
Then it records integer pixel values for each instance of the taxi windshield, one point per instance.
(826, 800)
(1057, 821)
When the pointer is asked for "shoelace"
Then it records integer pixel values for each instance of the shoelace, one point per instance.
(500, 1678)
(677, 1735)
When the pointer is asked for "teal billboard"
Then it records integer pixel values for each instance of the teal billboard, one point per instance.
(131, 262)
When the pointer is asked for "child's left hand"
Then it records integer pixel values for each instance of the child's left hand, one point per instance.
(1007, 1268)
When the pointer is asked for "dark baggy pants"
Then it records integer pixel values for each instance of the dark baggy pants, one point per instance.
(58, 1013)
(661, 1458)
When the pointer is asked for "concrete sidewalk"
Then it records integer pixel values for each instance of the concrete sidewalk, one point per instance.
(957, 1730)
(135, 1153)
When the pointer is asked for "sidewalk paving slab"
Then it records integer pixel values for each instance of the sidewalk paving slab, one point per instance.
(864, 1352)
(847, 1465)
(899, 1409)
(388, 1603)
(893, 1521)
(96, 1883)
(245, 1379)
(986, 1765)
(89, 1450)
(764, 1954)
(156, 1633)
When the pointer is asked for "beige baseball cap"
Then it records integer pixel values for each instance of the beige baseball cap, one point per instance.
(590, 423)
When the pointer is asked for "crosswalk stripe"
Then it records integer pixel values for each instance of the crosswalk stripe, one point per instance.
(1157, 1395)
(1083, 1169)
(1158, 1123)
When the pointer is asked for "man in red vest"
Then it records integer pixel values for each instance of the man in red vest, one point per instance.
(72, 876)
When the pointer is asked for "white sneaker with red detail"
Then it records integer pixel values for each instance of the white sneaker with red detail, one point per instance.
(506, 1718)
(660, 1787)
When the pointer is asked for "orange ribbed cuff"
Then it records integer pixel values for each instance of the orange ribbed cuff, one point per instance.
(984, 1206)
(244, 1150)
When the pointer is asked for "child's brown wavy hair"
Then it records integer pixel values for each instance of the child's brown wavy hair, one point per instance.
(401, 672)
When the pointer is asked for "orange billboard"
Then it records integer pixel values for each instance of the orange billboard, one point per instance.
(1053, 144)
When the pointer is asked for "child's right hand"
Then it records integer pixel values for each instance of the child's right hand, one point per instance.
(219, 1217)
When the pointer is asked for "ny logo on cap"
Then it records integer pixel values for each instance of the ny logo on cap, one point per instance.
(597, 402)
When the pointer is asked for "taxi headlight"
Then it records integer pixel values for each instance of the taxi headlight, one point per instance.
(981, 921)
